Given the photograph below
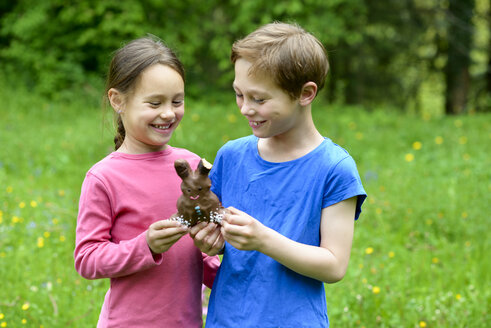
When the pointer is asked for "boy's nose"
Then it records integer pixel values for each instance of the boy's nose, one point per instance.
(247, 109)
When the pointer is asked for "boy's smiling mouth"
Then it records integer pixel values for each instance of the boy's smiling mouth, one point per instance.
(255, 124)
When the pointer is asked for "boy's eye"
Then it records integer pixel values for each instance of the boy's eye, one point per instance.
(154, 104)
(177, 102)
(238, 95)
(259, 101)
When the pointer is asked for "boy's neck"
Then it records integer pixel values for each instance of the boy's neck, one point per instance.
(290, 146)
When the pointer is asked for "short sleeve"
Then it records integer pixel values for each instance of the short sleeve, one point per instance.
(343, 182)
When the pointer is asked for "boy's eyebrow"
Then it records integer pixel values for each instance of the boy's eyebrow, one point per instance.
(252, 90)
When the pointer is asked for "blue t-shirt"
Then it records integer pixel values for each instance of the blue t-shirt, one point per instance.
(251, 289)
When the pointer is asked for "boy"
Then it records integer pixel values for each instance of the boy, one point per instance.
(293, 194)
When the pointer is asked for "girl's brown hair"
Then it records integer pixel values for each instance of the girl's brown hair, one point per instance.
(286, 52)
(129, 62)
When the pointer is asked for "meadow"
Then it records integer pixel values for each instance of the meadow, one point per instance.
(419, 252)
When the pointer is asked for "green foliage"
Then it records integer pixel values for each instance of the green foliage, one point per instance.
(381, 52)
(420, 248)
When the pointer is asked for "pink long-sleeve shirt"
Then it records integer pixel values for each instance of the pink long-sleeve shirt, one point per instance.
(121, 196)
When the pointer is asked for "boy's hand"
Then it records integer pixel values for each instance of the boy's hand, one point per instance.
(161, 235)
(207, 237)
(242, 231)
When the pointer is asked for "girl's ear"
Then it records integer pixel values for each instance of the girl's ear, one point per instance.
(309, 91)
(116, 99)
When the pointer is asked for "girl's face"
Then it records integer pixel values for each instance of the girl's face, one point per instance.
(153, 110)
(270, 110)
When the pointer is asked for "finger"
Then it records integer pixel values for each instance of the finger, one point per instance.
(197, 228)
(163, 224)
(208, 229)
(169, 232)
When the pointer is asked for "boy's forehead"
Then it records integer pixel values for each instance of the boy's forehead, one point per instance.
(259, 81)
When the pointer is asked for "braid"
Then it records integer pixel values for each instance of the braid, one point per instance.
(120, 134)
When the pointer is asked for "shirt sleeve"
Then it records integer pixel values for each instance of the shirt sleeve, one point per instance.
(210, 268)
(96, 256)
(343, 183)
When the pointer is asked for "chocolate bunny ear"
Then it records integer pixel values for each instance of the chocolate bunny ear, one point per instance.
(182, 168)
(204, 167)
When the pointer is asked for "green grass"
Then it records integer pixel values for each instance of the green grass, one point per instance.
(419, 252)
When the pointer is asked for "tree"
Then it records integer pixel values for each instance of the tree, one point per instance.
(459, 35)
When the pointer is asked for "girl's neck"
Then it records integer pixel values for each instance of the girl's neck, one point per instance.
(134, 149)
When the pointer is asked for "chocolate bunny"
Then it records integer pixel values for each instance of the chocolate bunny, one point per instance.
(197, 202)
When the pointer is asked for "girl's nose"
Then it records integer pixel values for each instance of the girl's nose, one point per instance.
(167, 113)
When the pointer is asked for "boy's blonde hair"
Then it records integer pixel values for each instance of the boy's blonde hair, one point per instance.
(286, 52)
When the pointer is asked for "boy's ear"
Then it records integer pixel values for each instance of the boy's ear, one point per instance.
(116, 99)
(309, 91)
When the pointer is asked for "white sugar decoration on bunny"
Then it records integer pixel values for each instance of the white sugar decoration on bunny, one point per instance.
(197, 202)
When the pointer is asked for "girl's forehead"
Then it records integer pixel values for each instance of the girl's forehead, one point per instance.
(159, 78)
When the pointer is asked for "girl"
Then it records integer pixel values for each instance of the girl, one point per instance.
(123, 233)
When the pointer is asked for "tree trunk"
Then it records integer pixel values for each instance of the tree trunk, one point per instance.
(459, 35)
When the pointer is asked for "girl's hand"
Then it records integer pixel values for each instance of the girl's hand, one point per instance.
(161, 235)
(207, 237)
(243, 231)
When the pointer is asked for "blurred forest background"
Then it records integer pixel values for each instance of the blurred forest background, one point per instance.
(420, 56)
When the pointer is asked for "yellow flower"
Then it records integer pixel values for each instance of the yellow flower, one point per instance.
(195, 117)
(47, 234)
(435, 260)
(391, 254)
(40, 242)
(438, 140)
(15, 219)
(467, 244)
(463, 140)
(422, 324)
(3, 324)
(22, 204)
(361, 265)
(1, 213)
(2, 316)
(409, 157)
(464, 215)
(9, 189)
(25, 306)
(417, 145)
(24, 321)
(376, 289)
(369, 250)
(34, 203)
(458, 297)
(359, 136)
(55, 221)
(1, 219)
(62, 238)
(61, 192)
(364, 281)
(352, 125)
(232, 118)
(458, 123)
(466, 157)
(378, 210)
(429, 222)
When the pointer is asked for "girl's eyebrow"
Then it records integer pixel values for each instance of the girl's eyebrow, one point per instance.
(159, 95)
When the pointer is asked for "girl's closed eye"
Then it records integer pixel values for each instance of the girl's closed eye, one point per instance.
(177, 103)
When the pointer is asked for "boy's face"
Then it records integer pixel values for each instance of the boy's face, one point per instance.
(268, 108)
